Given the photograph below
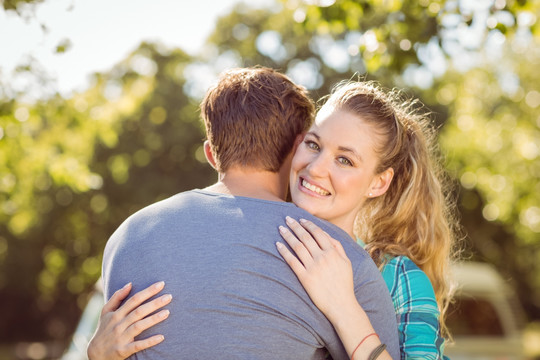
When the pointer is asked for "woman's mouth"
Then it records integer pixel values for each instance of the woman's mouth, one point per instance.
(304, 183)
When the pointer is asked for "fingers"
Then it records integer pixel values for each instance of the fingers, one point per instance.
(291, 260)
(144, 310)
(339, 248)
(297, 246)
(140, 298)
(139, 345)
(117, 329)
(321, 236)
(304, 236)
(115, 300)
(325, 241)
(309, 241)
(139, 326)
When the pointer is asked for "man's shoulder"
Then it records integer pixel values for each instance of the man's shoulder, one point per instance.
(150, 216)
(171, 203)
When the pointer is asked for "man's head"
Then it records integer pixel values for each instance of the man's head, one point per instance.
(252, 117)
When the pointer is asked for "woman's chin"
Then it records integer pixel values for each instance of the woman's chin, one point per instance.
(303, 203)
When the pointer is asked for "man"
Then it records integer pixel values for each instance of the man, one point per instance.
(233, 295)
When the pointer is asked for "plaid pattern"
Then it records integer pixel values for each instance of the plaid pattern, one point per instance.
(416, 310)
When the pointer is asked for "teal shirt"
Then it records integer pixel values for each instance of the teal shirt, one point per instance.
(416, 309)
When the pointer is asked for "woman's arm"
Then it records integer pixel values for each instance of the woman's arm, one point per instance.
(325, 271)
(118, 325)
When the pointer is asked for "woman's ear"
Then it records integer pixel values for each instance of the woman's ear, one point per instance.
(208, 154)
(381, 182)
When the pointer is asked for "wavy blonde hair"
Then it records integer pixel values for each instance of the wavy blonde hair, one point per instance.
(416, 216)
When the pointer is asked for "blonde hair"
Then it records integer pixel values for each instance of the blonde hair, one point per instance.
(416, 215)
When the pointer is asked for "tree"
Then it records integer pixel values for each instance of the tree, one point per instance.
(493, 141)
(73, 169)
(16, 5)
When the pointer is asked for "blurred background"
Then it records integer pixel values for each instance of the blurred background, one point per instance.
(99, 118)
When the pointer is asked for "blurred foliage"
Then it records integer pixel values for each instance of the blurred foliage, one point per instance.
(71, 170)
(17, 4)
(493, 143)
(23, 8)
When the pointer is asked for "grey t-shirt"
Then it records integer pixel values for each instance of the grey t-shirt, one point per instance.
(234, 297)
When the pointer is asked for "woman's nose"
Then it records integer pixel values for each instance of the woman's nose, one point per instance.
(318, 166)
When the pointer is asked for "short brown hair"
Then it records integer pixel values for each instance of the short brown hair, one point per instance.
(252, 117)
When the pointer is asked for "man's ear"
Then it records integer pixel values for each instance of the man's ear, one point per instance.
(299, 138)
(208, 154)
(381, 182)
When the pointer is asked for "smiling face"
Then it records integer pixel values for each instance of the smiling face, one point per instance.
(333, 169)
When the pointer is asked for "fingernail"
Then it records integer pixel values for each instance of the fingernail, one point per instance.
(160, 338)
(282, 229)
(166, 298)
(163, 314)
(279, 245)
(126, 286)
(159, 285)
(289, 220)
(303, 221)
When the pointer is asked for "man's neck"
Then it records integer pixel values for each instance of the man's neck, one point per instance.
(252, 183)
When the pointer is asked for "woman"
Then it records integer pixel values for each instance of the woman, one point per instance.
(367, 166)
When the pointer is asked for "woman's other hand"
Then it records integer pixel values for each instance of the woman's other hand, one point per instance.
(321, 265)
(325, 271)
(119, 325)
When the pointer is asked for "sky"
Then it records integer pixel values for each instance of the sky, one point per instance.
(102, 33)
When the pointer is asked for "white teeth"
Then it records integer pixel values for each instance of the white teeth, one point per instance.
(314, 188)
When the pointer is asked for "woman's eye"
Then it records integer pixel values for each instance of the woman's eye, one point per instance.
(345, 161)
(311, 145)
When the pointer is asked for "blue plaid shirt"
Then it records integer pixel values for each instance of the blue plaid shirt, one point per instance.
(416, 310)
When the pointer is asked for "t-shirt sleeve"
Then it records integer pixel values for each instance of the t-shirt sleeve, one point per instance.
(416, 310)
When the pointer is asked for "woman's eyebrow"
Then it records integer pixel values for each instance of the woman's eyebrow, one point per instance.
(351, 151)
(340, 148)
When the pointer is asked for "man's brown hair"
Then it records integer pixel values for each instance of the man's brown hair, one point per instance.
(252, 117)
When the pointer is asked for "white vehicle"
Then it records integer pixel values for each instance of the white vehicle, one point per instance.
(486, 319)
(86, 327)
